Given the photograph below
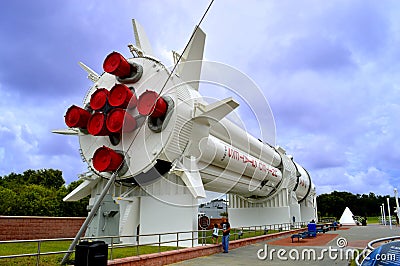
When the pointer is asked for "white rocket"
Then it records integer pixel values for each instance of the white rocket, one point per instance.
(141, 121)
(142, 126)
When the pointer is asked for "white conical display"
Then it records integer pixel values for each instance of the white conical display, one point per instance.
(347, 217)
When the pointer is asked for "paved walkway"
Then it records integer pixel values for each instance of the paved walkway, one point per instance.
(356, 237)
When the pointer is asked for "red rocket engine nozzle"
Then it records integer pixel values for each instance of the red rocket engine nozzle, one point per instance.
(117, 65)
(97, 125)
(150, 103)
(118, 120)
(77, 117)
(99, 99)
(106, 159)
(121, 96)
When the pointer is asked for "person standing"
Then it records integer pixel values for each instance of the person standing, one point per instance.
(226, 229)
(215, 234)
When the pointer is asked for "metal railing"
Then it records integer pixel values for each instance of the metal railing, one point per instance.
(38, 244)
(385, 220)
(327, 219)
(175, 239)
(369, 248)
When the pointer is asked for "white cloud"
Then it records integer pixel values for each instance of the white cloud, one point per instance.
(363, 182)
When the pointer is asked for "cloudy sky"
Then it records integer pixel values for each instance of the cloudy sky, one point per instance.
(329, 69)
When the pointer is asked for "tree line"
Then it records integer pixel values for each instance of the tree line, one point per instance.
(334, 203)
(39, 193)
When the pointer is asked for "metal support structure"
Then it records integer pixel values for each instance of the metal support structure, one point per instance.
(89, 218)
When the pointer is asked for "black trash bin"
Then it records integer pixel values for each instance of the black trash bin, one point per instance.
(91, 253)
(364, 222)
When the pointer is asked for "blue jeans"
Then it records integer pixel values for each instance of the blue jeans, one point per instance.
(225, 243)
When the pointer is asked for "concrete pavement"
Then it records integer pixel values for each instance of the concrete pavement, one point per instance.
(356, 237)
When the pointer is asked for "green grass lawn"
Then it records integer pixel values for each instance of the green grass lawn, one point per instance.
(32, 247)
(373, 220)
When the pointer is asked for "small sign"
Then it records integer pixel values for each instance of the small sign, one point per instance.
(204, 222)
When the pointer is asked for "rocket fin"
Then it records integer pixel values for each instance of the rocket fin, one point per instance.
(83, 190)
(189, 68)
(191, 177)
(192, 180)
(214, 112)
(142, 42)
(204, 117)
(92, 75)
(67, 131)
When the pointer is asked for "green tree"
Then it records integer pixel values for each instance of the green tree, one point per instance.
(334, 203)
(75, 208)
(38, 193)
(8, 201)
(49, 178)
(37, 200)
(12, 180)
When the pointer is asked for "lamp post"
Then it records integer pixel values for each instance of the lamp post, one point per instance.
(390, 218)
(381, 214)
(384, 215)
(396, 197)
(226, 203)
